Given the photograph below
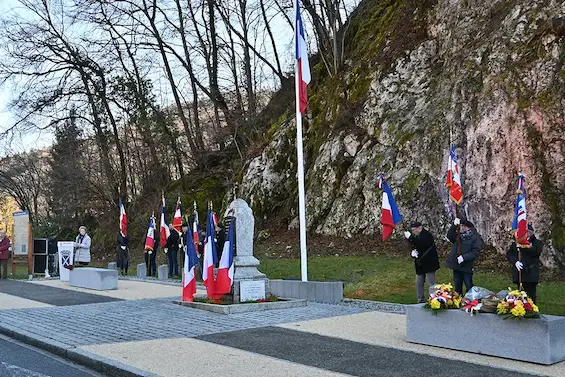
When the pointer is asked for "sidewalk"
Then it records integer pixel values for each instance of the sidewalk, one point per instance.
(140, 332)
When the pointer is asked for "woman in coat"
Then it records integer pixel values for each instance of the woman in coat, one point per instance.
(82, 252)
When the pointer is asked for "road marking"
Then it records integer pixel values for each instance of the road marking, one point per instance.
(16, 371)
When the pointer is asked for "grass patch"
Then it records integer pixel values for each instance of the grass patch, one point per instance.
(392, 279)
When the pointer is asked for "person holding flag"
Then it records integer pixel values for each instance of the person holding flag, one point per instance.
(224, 281)
(189, 271)
(150, 248)
(210, 258)
(524, 252)
(465, 249)
(122, 240)
(390, 216)
(164, 230)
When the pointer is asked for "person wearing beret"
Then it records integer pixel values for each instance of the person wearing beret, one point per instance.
(425, 257)
(461, 258)
(528, 264)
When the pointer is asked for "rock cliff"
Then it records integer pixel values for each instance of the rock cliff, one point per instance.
(489, 73)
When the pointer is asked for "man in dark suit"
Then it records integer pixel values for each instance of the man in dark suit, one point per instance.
(528, 264)
(425, 257)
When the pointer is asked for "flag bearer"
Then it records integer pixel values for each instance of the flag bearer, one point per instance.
(425, 257)
(465, 249)
(528, 264)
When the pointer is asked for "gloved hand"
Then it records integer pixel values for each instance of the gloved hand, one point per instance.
(123, 247)
(166, 250)
(407, 234)
(460, 259)
(414, 253)
(457, 221)
(150, 252)
(519, 266)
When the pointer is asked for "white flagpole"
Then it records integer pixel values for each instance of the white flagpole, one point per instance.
(300, 155)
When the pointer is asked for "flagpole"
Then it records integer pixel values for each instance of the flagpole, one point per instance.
(300, 155)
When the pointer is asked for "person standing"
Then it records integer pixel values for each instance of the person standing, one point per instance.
(5, 250)
(182, 241)
(122, 251)
(172, 250)
(220, 240)
(528, 264)
(461, 258)
(151, 255)
(425, 257)
(82, 253)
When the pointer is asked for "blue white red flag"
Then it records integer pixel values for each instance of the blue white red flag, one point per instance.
(123, 219)
(210, 257)
(195, 237)
(302, 65)
(164, 232)
(150, 239)
(224, 280)
(453, 181)
(189, 275)
(390, 216)
(520, 222)
(177, 220)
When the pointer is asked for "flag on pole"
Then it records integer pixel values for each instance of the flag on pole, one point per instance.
(189, 275)
(150, 239)
(224, 280)
(195, 237)
(210, 257)
(303, 67)
(453, 181)
(164, 230)
(177, 220)
(123, 219)
(520, 222)
(390, 216)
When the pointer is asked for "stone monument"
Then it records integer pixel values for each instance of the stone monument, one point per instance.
(249, 283)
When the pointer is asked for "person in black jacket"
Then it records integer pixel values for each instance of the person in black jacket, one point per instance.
(528, 264)
(461, 258)
(220, 240)
(425, 258)
(182, 241)
(172, 250)
(122, 251)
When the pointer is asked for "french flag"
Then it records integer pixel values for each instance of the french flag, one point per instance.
(150, 239)
(189, 275)
(195, 230)
(123, 219)
(164, 232)
(390, 216)
(302, 66)
(210, 257)
(520, 222)
(453, 181)
(177, 220)
(224, 280)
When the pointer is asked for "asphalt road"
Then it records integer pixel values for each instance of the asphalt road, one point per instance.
(18, 360)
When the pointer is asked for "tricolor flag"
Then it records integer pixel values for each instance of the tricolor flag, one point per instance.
(303, 68)
(453, 182)
(520, 222)
(390, 216)
(210, 257)
(164, 232)
(224, 280)
(123, 219)
(195, 237)
(189, 275)
(177, 220)
(150, 239)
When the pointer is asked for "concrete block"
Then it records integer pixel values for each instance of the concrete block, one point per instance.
(311, 291)
(163, 272)
(319, 293)
(316, 291)
(141, 271)
(539, 340)
(112, 266)
(99, 279)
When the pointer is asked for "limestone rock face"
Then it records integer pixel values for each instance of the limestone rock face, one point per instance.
(491, 75)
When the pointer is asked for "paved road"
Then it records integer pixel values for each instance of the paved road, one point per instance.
(50, 295)
(351, 358)
(17, 360)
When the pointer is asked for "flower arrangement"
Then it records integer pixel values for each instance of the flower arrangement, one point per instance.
(472, 306)
(443, 297)
(517, 305)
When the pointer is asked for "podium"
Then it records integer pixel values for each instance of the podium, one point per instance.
(66, 256)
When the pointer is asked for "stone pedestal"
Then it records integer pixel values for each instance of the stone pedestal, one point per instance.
(141, 271)
(112, 266)
(163, 272)
(94, 278)
(245, 263)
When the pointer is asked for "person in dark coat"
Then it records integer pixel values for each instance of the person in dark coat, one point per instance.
(462, 261)
(425, 258)
(182, 242)
(172, 250)
(529, 264)
(151, 255)
(220, 240)
(122, 251)
(5, 251)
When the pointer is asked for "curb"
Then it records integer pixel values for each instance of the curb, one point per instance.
(88, 359)
(379, 306)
